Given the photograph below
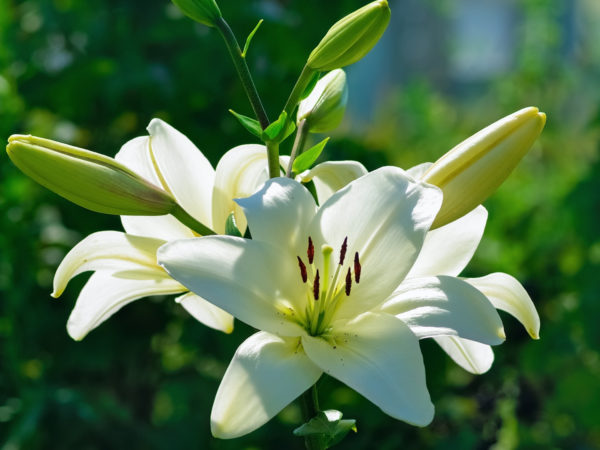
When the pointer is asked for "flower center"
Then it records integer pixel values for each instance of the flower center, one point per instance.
(326, 291)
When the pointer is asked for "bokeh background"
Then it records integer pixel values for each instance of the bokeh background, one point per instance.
(93, 73)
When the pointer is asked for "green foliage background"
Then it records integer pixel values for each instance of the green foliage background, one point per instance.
(93, 73)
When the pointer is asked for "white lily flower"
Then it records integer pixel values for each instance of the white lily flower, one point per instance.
(125, 263)
(314, 279)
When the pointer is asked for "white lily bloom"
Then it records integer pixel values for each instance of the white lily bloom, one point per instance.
(125, 263)
(314, 279)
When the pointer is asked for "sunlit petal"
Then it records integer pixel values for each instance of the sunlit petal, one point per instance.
(330, 176)
(206, 313)
(266, 373)
(472, 356)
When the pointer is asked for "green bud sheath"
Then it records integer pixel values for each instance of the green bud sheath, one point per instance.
(204, 11)
(473, 170)
(324, 108)
(88, 179)
(351, 38)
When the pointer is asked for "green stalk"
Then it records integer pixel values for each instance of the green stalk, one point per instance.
(180, 214)
(298, 148)
(299, 88)
(309, 403)
(273, 157)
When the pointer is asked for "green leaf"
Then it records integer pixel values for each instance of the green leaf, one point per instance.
(311, 85)
(276, 128)
(250, 36)
(328, 427)
(231, 228)
(250, 124)
(306, 159)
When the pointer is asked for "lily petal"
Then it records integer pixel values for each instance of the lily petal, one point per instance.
(472, 356)
(445, 306)
(329, 177)
(110, 251)
(506, 293)
(379, 357)
(184, 170)
(266, 373)
(240, 172)
(135, 154)
(385, 216)
(105, 293)
(206, 313)
(279, 212)
(447, 250)
(419, 170)
(243, 277)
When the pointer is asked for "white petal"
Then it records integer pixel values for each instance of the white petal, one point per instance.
(135, 154)
(206, 313)
(329, 177)
(111, 251)
(240, 172)
(385, 216)
(447, 250)
(104, 294)
(506, 293)
(266, 373)
(184, 170)
(472, 356)
(280, 213)
(379, 357)
(417, 171)
(249, 279)
(445, 306)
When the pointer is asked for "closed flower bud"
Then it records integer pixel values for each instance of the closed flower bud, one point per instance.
(88, 179)
(324, 108)
(351, 38)
(475, 168)
(204, 11)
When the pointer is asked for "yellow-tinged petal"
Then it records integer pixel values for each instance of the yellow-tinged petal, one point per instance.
(475, 168)
(472, 356)
(204, 312)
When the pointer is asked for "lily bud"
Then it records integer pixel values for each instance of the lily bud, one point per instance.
(324, 108)
(204, 11)
(88, 179)
(351, 38)
(470, 172)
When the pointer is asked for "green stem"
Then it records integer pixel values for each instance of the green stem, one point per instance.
(180, 214)
(239, 62)
(298, 147)
(299, 88)
(273, 157)
(310, 408)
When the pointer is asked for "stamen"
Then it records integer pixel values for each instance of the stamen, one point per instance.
(348, 281)
(302, 270)
(343, 251)
(316, 287)
(311, 251)
(356, 268)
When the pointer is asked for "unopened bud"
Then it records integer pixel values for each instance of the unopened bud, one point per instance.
(324, 108)
(204, 11)
(88, 179)
(351, 38)
(470, 172)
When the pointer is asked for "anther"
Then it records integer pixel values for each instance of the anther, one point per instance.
(356, 268)
(316, 287)
(302, 270)
(343, 251)
(311, 251)
(348, 281)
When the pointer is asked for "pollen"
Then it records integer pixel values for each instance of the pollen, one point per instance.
(303, 273)
(357, 268)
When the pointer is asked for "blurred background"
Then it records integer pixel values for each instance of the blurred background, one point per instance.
(94, 73)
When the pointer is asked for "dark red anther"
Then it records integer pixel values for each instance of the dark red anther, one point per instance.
(302, 270)
(356, 268)
(348, 281)
(316, 287)
(343, 251)
(311, 251)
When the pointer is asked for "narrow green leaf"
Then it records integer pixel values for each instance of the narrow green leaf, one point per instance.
(275, 129)
(307, 159)
(231, 228)
(311, 85)
(252, 125)
(250, 36)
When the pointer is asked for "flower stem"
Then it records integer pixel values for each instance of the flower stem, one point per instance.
(298, 90)
(239, 61)
(180, 214)
(310, 407)
(273, 157)
(298, 147)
